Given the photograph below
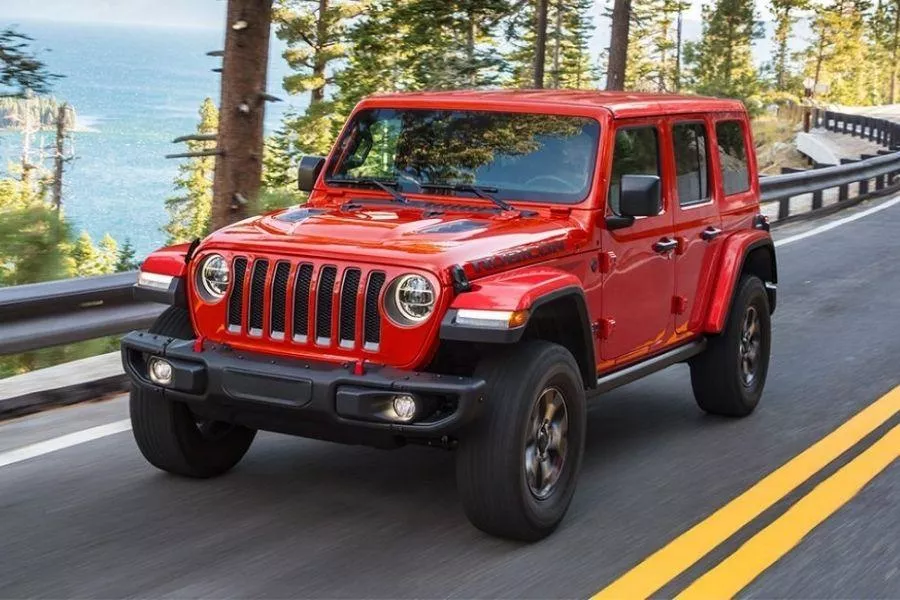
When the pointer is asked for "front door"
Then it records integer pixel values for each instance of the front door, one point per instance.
(636, 304)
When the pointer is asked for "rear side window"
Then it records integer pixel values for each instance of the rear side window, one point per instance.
(636, 153)
(733, 157)
(689, 140)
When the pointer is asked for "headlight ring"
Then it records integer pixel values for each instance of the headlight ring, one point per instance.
(214, 275)
(410, 300)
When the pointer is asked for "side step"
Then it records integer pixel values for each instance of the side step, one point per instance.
(646, 367)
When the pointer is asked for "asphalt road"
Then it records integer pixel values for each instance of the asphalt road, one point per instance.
(305, 518)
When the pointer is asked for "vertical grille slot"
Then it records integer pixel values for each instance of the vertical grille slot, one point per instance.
(349, 292)
(372, 320)
(236, 299)
(301, 302)
(324, 301)
(257, 296)
(279, 299)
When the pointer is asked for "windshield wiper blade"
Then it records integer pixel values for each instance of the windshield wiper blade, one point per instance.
(382, 185)
(479, 190)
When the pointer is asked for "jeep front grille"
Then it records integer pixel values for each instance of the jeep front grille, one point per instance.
(303, 296)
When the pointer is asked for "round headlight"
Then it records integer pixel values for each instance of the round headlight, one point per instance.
(214, 276)
(412, 297)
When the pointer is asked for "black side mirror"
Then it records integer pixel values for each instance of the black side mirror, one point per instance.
(308, 172)
(639, 196)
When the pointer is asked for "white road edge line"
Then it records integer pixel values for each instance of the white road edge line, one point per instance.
(838, 223)
(64, 441)
(95, 433)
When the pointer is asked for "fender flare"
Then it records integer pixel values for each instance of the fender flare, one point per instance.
(731, 264)
(528, 289)
(170, 261)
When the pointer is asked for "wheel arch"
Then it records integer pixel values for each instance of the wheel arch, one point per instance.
(557, 312)
(751, 252)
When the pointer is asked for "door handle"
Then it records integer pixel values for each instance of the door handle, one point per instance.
(710, 233)
(665, 245)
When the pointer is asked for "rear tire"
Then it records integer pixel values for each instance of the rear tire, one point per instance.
(170, 436)
(516, 469)
(729, 377)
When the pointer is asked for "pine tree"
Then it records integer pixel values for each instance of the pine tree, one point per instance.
(89, 260)
(884, 26)
(189, 211)
(21, 71)
(721, 62)
(785, 13)
(653, 46)
(125, 260)
(569, 30)
(315, 34)
(32, 235)
(108, 254)
(839, 53)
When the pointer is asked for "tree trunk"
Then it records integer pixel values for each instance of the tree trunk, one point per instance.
(557, 42)
(540, 44)
(58, 158)
(895, 53)
(470, 48)
(618, 45)
(240, 140)
(678, 53)
(317, 94)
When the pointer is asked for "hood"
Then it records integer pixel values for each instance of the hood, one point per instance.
(426, 235)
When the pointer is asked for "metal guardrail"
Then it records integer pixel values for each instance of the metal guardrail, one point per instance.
(60, 312)
(41, 315)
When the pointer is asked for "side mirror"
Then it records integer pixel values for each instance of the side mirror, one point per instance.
(308, 172)
(639, 196)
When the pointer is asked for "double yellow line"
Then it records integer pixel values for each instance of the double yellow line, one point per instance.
(734, 573)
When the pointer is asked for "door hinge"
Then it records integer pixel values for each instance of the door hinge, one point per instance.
(607, 261)
(603, 328)
(679, 304)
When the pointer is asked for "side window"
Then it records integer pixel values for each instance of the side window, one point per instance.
(689, 140)
(636, 153)
(733, 157)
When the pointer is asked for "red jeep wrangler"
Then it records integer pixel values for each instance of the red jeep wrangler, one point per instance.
(469, 269)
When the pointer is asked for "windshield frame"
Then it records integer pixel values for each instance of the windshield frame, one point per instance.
(597, 118)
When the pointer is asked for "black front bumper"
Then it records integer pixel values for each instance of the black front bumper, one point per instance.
(313, 399)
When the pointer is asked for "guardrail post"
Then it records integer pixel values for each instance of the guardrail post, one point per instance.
(844, 190)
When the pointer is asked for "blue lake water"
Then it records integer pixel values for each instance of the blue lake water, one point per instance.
(134, 89)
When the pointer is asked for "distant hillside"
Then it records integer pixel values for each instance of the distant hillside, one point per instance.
(15, 113)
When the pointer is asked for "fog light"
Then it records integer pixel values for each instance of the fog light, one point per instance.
(160, 371)
(404, 408)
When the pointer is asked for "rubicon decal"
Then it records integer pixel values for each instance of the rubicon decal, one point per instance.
(516, 256)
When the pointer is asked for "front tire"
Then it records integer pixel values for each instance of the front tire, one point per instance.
(729, 377)
(517, 467)
(170, 436)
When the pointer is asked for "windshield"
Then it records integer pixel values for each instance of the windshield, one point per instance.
(515, 156)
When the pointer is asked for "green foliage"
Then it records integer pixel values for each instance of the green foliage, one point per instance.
(189, 211)
(786, 16)
(31, 233)
(47, 357)
(91, 260)
(652, 46)
(125, 259)
(21, 71)
(721, 62)
(569, 30)
(39, 111)
(838, 54)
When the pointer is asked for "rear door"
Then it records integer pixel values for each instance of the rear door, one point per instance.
(698, 227)
(637, 290)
